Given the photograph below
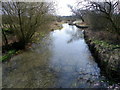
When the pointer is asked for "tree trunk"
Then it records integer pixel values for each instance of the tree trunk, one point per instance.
(20, 23)
(82, 19)
(113, 24)
(5, 37)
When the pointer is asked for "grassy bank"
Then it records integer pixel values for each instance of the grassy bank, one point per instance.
(9, 51)
(106, 52)
(56, 25)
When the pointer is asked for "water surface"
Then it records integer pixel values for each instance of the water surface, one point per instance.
(72, 59)
(61, 60)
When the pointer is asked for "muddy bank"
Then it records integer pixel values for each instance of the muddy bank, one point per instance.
(106, 55)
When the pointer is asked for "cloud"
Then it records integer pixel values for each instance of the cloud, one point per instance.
(62, 7)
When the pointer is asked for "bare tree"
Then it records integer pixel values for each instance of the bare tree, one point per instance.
(109, 11)
(78, 12)
(26, 18)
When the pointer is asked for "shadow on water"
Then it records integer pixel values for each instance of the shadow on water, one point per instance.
(62, 59)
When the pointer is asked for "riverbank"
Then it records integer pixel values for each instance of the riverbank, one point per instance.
(107, 56)
(56, 25)
(53, 62)
(13, 47)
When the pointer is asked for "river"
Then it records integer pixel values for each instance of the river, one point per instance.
(61, 60)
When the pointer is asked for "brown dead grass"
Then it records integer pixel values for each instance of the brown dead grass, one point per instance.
(105, 36)
(56, 25)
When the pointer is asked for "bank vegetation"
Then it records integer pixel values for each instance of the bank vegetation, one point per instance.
(103, 34)
(22, 22)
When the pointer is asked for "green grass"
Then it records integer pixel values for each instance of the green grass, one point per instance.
(7, 55)
(6, 29)
(105, 44)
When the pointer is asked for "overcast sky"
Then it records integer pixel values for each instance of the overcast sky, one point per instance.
(62, 7)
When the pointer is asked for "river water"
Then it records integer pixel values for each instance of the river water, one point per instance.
(61, 60)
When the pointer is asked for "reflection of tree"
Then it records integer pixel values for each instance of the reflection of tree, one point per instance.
(74, 34)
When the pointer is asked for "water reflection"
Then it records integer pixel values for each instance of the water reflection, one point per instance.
(62, 59)
(72, 59)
